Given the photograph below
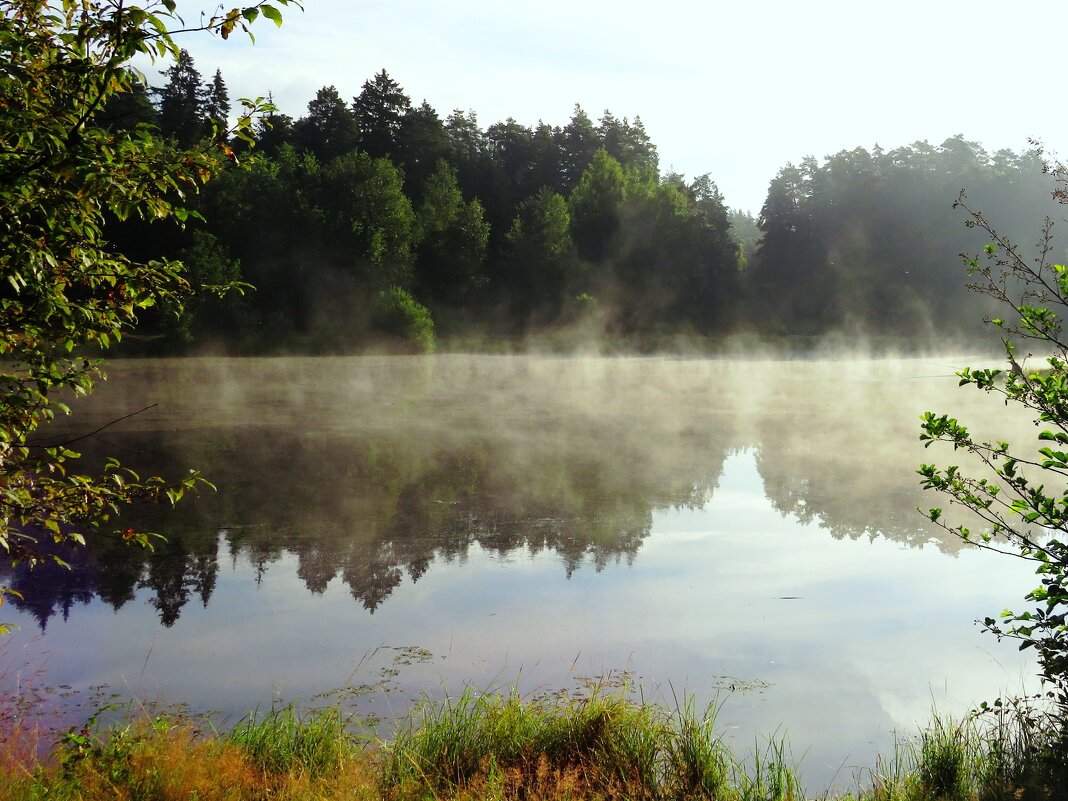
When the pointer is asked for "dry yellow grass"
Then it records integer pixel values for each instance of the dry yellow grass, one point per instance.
(150, 760)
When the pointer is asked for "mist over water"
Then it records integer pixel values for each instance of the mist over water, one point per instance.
(740, 528)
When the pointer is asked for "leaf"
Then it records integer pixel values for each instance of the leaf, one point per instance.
(272, 14)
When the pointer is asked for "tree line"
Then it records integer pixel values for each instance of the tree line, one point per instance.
(373, 221)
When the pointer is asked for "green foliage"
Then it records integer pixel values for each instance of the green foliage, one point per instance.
(183, 113)
(745, 232)
(329, 129)
(579, 143)
(659, 248)
(66, 291)
(454, 239)
(861, 239)
(379, 111)
(606, 744)
(540, 255)
(362, 200)
(210, 271)
(284, 741)
(402, 315)
(596, 206)
(1021, 502)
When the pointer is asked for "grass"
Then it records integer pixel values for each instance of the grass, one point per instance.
(500, 747)
(604, 745)
(282, 741)
(1008, 753)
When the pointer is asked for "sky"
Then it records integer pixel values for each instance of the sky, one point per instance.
(734, 90)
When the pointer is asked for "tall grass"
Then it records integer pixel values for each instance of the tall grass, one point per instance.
(699, 763)
(280, 755)
(952, 759)
(601, 746)
(772, 775)
(1004, 754)
(283, 740)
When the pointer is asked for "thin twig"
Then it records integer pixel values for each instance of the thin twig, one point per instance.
(97, 431)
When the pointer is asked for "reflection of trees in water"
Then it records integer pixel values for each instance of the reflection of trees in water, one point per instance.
(394, 515)
(844, 453)
(372, 511)
(834, 463)
(847, 502)
(52, 589)
(112, 571)
(368, 471)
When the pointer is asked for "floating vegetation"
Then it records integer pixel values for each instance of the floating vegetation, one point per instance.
(409, 654)
(736, 685)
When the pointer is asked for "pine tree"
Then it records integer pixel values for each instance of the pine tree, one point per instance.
(579, 141)
(380, 110)
(217, 102)
(182, 102)
(329, 129)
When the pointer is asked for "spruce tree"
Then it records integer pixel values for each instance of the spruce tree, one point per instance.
(182, 103)
(217, 102)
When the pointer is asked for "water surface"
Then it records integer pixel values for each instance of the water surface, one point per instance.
(746, 530)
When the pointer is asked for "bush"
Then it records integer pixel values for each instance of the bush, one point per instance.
(403, 316)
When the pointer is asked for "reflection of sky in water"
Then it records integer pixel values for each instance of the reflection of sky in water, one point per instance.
(853, 639)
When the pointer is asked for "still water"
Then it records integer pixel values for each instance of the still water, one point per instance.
(745, 530)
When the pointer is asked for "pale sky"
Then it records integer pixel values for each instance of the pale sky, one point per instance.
(735, 90)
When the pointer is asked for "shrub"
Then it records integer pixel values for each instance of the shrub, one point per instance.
(402, 315)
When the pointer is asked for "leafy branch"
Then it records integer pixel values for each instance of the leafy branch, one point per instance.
(1022, 502)
(63, 288)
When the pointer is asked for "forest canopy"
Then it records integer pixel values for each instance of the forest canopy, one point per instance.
(376, 222)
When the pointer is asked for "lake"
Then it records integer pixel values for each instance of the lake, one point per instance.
(393, 526)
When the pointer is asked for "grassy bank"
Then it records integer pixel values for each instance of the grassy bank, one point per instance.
(475, 746)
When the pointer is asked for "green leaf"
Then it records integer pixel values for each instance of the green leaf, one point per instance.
(272, 14)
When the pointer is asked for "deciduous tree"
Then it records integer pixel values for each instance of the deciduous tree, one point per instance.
(454, 239)
(66, 291)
